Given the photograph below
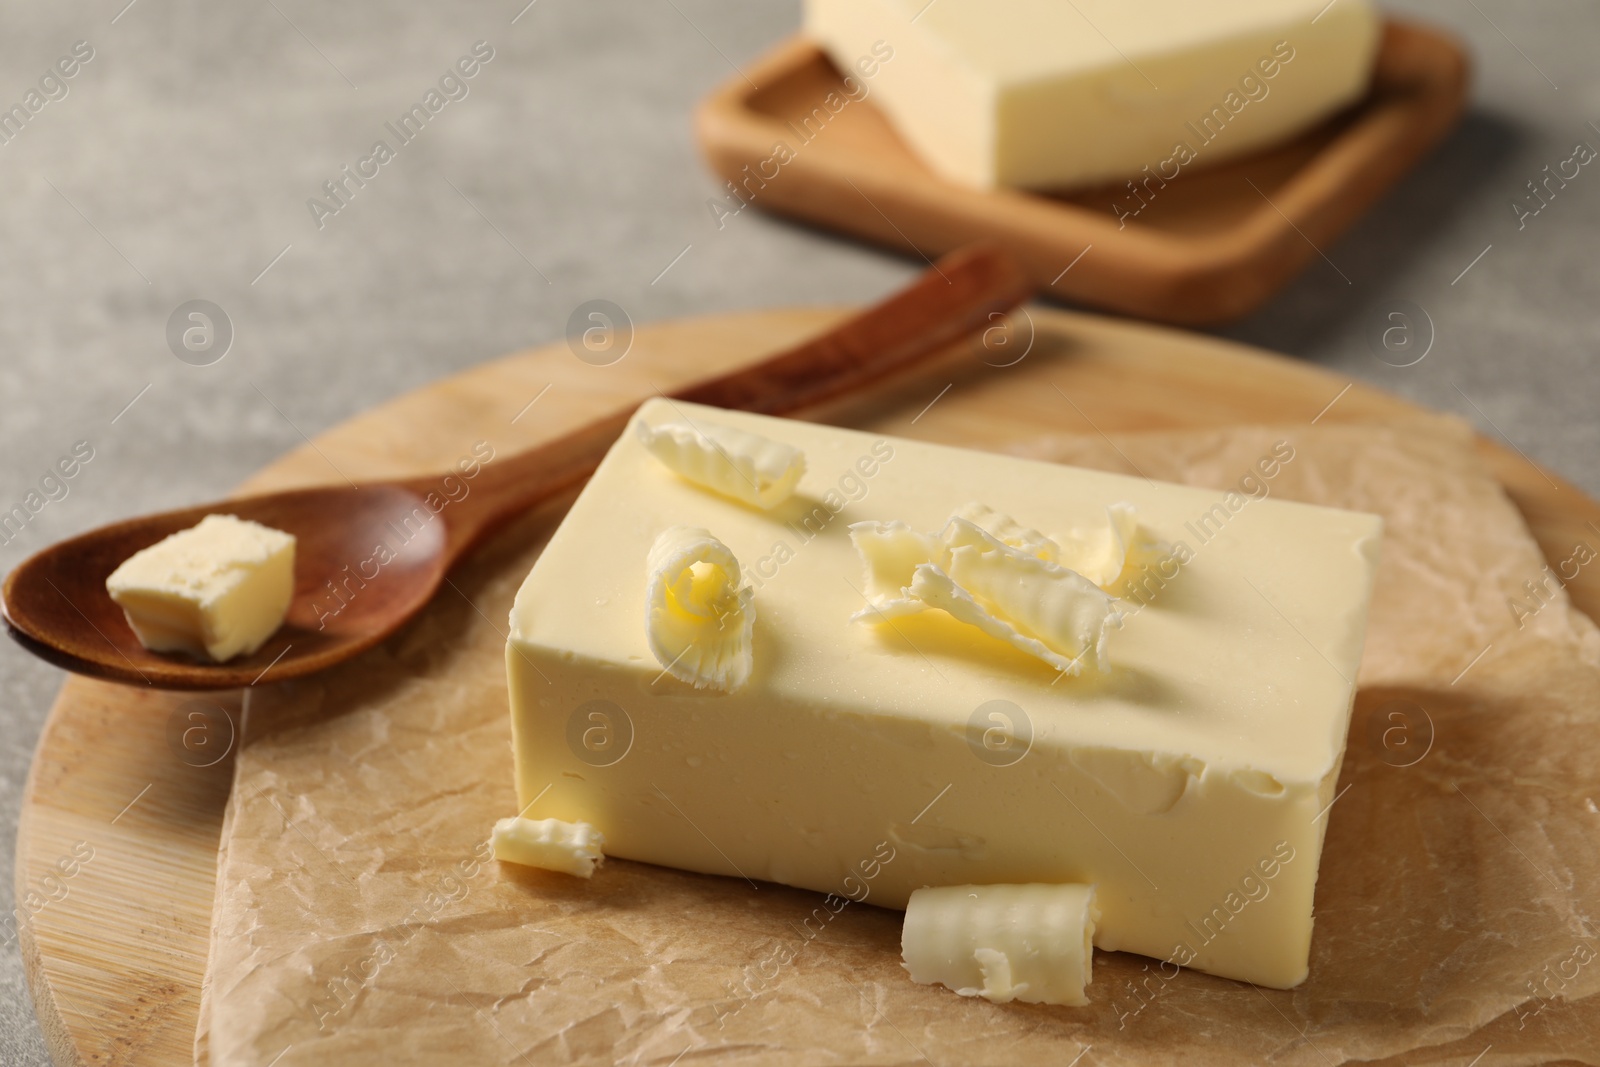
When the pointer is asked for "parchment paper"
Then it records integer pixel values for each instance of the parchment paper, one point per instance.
(357, 922)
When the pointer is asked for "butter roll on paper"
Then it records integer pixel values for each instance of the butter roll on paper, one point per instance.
(574, 848)
(1032, 943)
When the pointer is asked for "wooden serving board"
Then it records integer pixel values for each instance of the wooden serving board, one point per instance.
(1212, 244)
(131, 779)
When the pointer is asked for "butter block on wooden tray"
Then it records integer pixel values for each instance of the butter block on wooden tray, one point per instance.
(1187, 780)
(1048, 94)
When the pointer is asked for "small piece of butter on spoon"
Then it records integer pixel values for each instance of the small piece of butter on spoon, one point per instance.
(218, 589)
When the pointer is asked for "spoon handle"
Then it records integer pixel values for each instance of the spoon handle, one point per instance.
(963, 292)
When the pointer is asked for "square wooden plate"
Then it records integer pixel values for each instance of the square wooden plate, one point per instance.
(1210, 247)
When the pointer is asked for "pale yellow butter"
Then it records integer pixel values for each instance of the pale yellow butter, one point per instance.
(1032, 943)
(742, 465)
(550, 844)
(698, 614)
(1188, 781)
(1051, 93)
(218, 589)
(1098, 550)
(1009, 592)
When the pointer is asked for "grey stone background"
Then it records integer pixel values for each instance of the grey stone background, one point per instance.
(179, 162)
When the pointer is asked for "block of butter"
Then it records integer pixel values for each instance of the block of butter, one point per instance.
(1187, 781)
(217, 589)
(1047, 93)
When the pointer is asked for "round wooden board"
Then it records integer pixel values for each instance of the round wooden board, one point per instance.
(116, 950)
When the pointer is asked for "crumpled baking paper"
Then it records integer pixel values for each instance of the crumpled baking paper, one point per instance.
(359, 921)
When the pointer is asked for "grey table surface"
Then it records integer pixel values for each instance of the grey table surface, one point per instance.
(176, 165)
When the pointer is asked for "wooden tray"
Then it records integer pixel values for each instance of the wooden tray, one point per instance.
(116, 959)
(1209, 247)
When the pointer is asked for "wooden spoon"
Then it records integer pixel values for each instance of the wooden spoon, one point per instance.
(56, 603)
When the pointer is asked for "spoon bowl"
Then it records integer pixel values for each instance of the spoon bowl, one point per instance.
(336, 612)
(369, 557)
